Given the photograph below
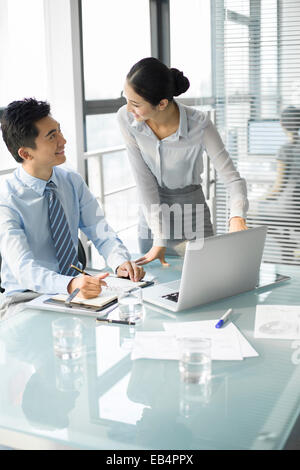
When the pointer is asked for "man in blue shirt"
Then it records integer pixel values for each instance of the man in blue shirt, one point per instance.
(37, 246)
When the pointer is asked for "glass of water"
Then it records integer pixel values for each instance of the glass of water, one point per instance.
(193, 396)
(195, 359)
(67, 337)
(131, 304)
(69, 374)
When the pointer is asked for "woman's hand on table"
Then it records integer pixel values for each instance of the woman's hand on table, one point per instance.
(156, 252)
(236, 224)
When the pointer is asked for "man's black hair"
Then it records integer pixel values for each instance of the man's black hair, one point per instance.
(18, 124)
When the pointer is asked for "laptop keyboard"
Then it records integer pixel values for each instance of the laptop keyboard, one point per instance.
(173, 296)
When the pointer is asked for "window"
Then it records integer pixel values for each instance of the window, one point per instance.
(191, 44)
(102, 131)
(257, 77)
(269, 60)
(22, 51)
(116, 34)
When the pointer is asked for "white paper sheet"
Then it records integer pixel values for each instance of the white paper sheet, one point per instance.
(227, 343)
(155, 345)
(277, 322)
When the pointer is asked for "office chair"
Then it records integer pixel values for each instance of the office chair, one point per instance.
(81, 258)
(81, 254)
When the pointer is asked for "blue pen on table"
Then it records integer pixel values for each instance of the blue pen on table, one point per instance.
(223, 318)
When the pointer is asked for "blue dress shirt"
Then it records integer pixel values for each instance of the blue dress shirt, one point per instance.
(28, 254)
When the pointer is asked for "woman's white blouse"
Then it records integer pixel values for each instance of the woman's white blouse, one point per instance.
(176, 161)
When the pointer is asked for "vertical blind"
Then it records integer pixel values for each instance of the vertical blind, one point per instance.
(257, 90)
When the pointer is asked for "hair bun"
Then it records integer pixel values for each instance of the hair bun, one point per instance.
(181, 83)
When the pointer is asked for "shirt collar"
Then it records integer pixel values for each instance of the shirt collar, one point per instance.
(38, 185)
(140, 126)
(182, 131)
(183, 124)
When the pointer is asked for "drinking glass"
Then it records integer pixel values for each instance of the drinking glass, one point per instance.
(195, 359)
(131, 304)
(67, 337)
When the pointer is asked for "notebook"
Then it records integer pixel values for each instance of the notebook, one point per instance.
(81, 306)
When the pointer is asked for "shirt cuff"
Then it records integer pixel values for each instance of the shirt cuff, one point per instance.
(235, 213)
(116, 262)
(239, 209)
(61, 284)
(159, 242)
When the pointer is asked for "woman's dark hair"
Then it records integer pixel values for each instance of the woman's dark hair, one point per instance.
(290, 118)
(18, 124)
(154, 81)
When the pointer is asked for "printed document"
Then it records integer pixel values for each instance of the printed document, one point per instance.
(277, 322)
(227, 342)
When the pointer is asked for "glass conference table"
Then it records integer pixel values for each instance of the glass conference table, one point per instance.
(104, 400)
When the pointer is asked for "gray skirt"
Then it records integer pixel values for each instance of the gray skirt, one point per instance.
(186, 217)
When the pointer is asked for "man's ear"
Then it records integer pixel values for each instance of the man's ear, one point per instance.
(24, 154)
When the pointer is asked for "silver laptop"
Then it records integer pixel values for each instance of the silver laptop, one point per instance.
(225, 265)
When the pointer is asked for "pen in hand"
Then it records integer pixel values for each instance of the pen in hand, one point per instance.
(79, 270)
(223, 318)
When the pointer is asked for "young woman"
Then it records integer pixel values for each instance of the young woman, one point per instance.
(165, 142)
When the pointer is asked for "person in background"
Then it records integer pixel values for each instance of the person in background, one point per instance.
(288, 160)
(280, 207)
(42, 207)
(165, 141)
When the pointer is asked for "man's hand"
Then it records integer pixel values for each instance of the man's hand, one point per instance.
(236, 224)
(90, 286)
(131, 270)
(156, 252)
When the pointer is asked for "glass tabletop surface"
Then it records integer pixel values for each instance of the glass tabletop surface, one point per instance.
(106, 400)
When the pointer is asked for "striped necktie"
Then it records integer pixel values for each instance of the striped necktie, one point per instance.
(61, 235)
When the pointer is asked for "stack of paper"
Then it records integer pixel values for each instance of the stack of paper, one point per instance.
(154, 345)
(227, 342)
